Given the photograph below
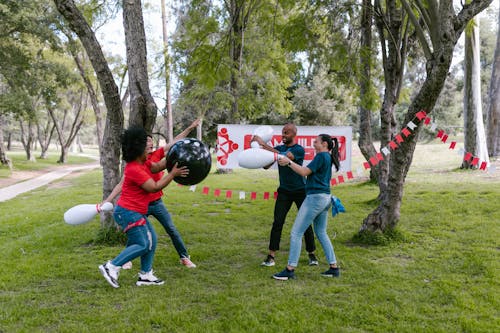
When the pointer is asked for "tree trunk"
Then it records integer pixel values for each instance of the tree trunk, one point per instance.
(365, 142)
(44, 135)
(475, 138)
(494, 106)
(27, 138)
(4, 160)
(393, 42)
(110, 156)
(94, 101)
(168, 117)
(142, 105)
(449, 28)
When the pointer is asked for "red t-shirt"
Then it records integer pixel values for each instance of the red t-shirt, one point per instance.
(133, 197)
(155, 156)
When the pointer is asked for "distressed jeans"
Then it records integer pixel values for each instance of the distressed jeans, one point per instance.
(314, 210)
(141, 239)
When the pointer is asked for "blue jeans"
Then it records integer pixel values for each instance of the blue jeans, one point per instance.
(159, 211)
(141, 240)
(314, 210)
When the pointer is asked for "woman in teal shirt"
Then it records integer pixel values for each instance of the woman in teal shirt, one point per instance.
(314, 209)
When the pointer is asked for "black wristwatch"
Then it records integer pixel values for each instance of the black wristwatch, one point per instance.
(289, 164)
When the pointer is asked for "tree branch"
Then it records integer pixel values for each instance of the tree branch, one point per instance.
(418, 30)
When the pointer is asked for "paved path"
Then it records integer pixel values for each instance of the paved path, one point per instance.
(12, 191)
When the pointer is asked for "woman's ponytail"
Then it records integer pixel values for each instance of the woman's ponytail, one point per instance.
(333, 147)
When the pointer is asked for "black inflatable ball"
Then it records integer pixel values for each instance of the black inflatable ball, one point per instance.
(191, 153)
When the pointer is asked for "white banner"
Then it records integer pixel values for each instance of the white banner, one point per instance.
(232, 139)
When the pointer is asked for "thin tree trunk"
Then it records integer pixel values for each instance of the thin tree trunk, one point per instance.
(142, 105)
(475, 138)
(494, 106)
(4, 160)
(365, 142)
(168, 117)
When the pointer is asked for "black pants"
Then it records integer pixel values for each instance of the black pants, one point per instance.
(283, 204)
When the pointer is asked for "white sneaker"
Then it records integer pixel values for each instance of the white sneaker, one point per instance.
(187, 262)
(148, 279)
(110, 273)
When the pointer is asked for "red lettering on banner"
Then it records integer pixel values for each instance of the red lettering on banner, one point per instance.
(306, 141)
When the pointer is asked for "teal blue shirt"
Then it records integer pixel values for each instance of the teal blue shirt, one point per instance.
(319, 180)
(289, 180)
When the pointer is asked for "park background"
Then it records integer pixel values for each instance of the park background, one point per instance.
(434, 268)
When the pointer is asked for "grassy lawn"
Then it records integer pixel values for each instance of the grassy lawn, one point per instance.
(443, 277)
(20, 163)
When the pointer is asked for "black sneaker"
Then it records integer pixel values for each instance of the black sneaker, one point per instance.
(332, 272)
(269, 261)
(284, 275)
(313, 261)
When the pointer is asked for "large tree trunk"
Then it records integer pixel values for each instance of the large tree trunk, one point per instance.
(168, 117)
(474, 136)
(110, 156)
(143, 108)
(365, 142)
(445, 31)
(494, 106)
(393, 43)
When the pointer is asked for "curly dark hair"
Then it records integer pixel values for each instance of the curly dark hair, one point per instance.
(133, 143)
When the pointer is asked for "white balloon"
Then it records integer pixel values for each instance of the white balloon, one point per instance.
(265, 132)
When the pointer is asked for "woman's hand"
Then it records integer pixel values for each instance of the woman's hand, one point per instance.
(179, 172)
(283, 160)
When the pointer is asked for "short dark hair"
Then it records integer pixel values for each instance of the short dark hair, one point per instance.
(133, 143)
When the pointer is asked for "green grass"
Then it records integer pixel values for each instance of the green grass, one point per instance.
(20, 163)
(441, 276)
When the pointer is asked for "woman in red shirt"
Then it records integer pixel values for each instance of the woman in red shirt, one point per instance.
(132, 207)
